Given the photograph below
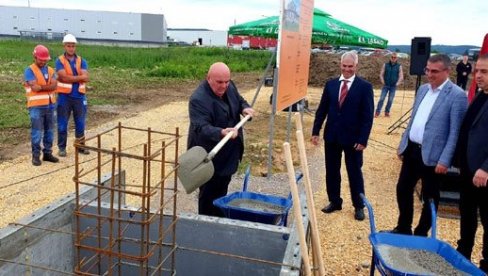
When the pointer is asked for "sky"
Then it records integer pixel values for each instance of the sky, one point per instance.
(448, 22)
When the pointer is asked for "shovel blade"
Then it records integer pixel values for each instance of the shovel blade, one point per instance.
(194, 170)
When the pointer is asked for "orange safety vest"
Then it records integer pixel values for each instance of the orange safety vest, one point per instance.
(40, 98)
(65, 88)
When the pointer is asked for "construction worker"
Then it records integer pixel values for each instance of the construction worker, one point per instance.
(72, 77)
(40, 86)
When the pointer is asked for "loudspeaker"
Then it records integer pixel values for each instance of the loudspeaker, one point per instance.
(419, 54)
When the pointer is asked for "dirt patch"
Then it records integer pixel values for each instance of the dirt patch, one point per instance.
(324, 66)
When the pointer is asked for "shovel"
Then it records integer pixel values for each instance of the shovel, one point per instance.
(196, 167)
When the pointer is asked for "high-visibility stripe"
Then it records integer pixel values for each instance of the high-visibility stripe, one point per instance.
(39, 97)
(62, 84)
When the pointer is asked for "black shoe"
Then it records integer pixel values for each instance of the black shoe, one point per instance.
(36, 161)
(484, 265)
(398, 230)
(83, 151)
(420, 233)
(359, 214)
(50, 158)
(331, 208)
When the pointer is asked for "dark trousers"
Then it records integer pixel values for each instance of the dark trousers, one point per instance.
(472, 199)
(462, 81)
(66, 106)
(354, 162)
(412, 170)
(216, 187)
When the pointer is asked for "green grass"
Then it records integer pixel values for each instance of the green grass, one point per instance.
(114, 70)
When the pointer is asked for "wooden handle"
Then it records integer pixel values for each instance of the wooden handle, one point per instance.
(317, 250)
(298, 120)
(226, 138)
(297, 213)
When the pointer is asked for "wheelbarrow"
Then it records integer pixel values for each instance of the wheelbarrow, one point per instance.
(398, 254)
(255, 207)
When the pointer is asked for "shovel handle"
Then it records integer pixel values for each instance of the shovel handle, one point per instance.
(226, 138)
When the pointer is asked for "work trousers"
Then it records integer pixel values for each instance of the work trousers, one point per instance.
(42, 128)
(216, 187)
(471, 200)
(386, 90)
(354, 162)
(66, 106)
(462, 81)
(412, 170)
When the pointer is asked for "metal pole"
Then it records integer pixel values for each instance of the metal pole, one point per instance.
(271, 122)
(263, 79)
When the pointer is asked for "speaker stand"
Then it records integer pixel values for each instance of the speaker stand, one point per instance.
(406, 116)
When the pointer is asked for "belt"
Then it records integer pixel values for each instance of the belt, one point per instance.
(417, 145)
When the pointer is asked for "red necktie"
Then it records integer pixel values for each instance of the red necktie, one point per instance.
(343, 95)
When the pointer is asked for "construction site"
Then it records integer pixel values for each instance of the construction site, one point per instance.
(122, 220)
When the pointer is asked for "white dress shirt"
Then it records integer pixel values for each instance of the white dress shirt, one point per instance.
(416, 134)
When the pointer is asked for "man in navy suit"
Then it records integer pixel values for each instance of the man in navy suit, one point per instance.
(428, 143)
(347, 103)
(215, 108)
(472, 159)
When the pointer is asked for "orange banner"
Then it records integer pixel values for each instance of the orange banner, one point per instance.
(295, 39)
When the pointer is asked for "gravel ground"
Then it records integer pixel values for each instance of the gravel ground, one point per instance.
(345, 245)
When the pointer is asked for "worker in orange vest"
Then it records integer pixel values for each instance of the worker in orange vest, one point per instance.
(40, 86)
(72, 73)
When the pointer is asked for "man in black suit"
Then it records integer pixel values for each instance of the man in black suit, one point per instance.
(215, 108)
(347, 103)
(472, 157)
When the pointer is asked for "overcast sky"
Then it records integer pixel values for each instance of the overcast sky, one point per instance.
(449, 22)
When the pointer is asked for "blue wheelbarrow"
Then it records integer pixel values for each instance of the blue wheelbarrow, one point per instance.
(249, 206)
(398, 254)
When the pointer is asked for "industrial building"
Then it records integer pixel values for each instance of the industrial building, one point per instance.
(203, 37)
(52, 24)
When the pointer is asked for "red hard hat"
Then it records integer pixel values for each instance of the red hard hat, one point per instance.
(41, 52)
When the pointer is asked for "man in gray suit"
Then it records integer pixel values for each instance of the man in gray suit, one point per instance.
(428, 144)
(472, 159)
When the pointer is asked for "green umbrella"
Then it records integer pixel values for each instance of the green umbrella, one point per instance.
(325, 30)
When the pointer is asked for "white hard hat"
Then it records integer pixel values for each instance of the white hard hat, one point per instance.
(69, 38)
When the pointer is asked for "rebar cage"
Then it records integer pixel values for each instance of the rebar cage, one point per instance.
(142, 166)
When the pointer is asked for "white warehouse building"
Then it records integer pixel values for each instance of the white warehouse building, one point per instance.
(85, 25)
(203, 37)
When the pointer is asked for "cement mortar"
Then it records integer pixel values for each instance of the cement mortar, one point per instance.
(415, 261)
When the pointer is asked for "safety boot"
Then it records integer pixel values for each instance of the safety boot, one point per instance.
(81, 141)
(50, 158)
(36, 161)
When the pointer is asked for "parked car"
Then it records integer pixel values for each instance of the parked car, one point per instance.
(403, 55)
(455, 57)
(473, 54)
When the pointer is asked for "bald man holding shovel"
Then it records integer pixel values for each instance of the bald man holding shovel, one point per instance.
(215, 108)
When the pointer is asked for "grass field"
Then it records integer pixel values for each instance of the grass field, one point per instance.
(115, 70)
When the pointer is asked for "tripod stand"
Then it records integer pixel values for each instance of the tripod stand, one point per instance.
(406, 116)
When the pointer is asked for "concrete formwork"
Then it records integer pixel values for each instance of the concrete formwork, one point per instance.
(94, 232)
(42, 244)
